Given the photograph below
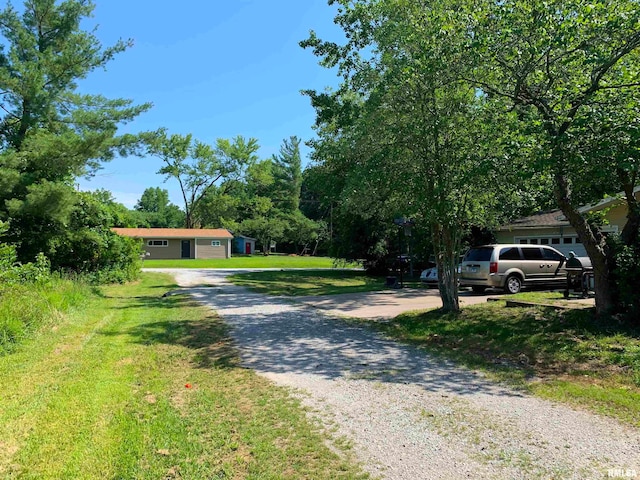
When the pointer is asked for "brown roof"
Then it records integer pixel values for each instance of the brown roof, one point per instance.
(554, 218)
(173, 232)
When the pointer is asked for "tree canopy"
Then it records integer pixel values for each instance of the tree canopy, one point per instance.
(156, 210)
(459, 113)
(49, 132)
(413, 140)
(198, 167)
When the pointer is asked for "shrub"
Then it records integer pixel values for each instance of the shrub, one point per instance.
(13, 273)
(98, 254)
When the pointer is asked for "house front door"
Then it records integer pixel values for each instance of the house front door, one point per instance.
(186, 248)
(247, 248)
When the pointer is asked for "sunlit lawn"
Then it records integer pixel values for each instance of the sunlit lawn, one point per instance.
(251, 261)
(297, 283)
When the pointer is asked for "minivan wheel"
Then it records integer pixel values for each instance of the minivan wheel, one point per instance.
(513, 284)
(478, 289)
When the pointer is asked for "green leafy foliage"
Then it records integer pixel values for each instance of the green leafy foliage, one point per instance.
(263, 202)
(461, 113)
(404, 134)
(87, 246)
(30, 305)
(50, 134)
(265, 230)
(627, 273)
(156, 210)
(30, 296)
(198, 167)
(570, 69)
(13, 273)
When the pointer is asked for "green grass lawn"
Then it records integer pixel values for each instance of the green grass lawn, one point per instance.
(560, 355)
(135, 386)
(250, 261)
(300, 283)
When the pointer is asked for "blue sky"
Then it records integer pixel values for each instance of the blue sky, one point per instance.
(213, 68)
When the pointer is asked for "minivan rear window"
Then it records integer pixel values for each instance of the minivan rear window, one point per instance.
(478, 254)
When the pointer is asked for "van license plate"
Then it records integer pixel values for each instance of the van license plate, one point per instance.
(473, 269)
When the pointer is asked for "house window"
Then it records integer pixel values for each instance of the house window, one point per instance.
(157, 243)
(215, 243)
(567, 240)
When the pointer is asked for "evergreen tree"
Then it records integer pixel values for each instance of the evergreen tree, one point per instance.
(49, 133)
(287, 174)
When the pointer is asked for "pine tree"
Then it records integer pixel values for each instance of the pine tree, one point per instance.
(50, 133)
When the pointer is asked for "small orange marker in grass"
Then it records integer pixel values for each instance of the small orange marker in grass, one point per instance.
(188, 385)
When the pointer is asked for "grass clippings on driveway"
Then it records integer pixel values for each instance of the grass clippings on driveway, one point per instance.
(140, 386)
(560, 355)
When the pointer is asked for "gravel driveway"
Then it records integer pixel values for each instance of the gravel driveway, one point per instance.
(410, 416)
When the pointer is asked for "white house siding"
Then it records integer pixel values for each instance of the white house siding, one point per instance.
(206, 250)
(563, 239)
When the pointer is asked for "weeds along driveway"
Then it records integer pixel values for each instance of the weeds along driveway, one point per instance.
(407, 414)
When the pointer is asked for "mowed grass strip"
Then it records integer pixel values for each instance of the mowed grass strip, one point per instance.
(137, 386)
(300, 283)
(250, 261)
(560, 355)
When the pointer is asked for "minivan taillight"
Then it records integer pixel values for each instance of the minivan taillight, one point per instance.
(493, 267)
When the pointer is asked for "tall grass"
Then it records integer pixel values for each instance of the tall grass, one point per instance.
(27, 308)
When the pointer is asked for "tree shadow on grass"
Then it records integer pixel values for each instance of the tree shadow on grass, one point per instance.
(208, 339)
(538, 341)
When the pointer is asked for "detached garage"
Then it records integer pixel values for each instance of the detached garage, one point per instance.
(173, 243)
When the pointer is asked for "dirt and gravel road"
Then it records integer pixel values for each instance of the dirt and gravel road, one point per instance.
(408, 415)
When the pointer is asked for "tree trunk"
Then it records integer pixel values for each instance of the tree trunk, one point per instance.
(446, 252)
(594, 243)
(189, 221)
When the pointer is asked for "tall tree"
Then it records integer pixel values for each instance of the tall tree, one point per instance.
(287, 173)
(573, 68)
(198, 167)
(407, 131)
(49, 133)
(158, 211)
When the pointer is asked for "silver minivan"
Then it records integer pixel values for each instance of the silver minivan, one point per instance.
(511, 266)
